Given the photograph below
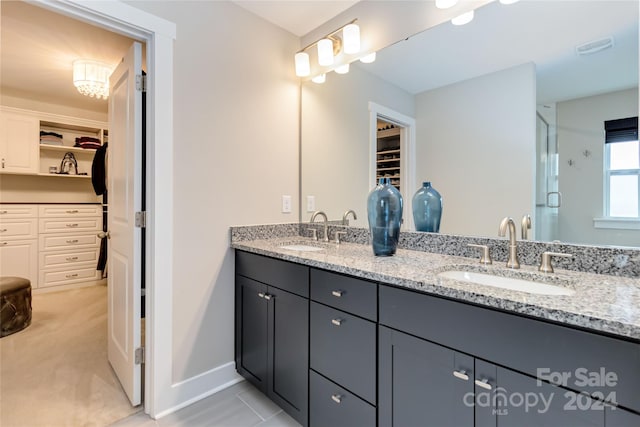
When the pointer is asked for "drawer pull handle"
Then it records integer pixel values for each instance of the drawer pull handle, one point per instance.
(461, 374)
(72, 225)
(70, 276)
(72, 258)
(268, 297)
(336, 398)
(337, 293)
(3, 230)
(4, 212)
(72, 241)
(261, 295)
(483, 383)
(72, 211)
(4, 243)
(337, 322)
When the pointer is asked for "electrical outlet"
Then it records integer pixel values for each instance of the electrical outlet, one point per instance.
(311, 203)
(286, 204)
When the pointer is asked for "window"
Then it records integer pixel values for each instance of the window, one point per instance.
(622, 168)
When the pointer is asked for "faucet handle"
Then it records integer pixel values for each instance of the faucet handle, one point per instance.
(485, 257)
(314, 233)
(337, 235)
(545, 261)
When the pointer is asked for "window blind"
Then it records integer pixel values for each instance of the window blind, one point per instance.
(621, 130)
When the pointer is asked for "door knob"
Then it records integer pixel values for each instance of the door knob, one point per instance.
(104, 234)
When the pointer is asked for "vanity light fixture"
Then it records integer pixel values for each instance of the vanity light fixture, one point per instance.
(445, 4)
(319, 79)
(509, 1)
(343, 69)
(329, 46)
(463, 19)
(91, 78)
(369, 58)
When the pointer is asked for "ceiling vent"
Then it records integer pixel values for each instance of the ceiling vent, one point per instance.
(595, 46)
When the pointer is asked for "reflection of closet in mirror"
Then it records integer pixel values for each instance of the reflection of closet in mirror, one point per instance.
(389, 153)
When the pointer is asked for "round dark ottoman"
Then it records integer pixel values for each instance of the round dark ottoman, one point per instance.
(15, 304)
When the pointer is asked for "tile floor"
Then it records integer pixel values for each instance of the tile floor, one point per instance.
(240, 405)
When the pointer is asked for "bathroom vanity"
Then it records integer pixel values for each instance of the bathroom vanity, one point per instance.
(338, 337)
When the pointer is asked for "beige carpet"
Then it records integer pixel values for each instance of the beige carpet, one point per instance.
(55, 372)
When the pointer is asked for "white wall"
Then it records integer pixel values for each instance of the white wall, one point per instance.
(475, 142)
(236, 153)
(580, 128)
(335, 131)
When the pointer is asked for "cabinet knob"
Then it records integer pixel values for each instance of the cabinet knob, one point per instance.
(337, 322)
(337, 293)
(461, 374)
(336, 398)
(483, 383)
(268, 297)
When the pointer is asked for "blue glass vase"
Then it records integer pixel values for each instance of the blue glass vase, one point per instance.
(384, 209)
(427, 208)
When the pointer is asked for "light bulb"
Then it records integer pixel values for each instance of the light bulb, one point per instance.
(325, 52)
(368, 59)
(303, 68)
(343, 69)
(319, 79)
(351, 38)
(445, 4)
(463, 19)
(509, 1)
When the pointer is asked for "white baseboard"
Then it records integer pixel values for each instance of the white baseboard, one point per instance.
(203, 385)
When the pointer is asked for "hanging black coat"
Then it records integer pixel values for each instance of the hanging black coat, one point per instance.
(99, 169)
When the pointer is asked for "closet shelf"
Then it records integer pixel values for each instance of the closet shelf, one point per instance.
(60, 175)
(389, 152)
(65, 149)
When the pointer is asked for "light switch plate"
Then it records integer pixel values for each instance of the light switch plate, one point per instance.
(286, 204)
(311, 203)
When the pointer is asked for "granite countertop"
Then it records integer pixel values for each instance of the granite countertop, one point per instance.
(602, 303)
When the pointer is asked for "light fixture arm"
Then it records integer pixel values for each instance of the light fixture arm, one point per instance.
(331, 35)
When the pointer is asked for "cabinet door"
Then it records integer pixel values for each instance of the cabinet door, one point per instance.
(616, 417)
(423, 384)
(288, 356)
(20, 258)
(251, 331)
(19, 143)
(524, 401)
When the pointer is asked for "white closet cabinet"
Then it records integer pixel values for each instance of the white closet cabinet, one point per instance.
(19, 136)
(19, 242)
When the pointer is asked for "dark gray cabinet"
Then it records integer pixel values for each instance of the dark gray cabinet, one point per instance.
(334, 406)
(272, 333)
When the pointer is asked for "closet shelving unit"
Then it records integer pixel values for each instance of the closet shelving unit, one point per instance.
(389, 155)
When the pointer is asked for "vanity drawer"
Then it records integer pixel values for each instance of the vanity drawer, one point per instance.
(11, 229)
(62, 225)
(332, 405)
(69, 211)
(343, 348)
(66, 241)
(65, 258)
(280, 274)
(349, 294)
(75, 274)
(520, 343)
(18, 211)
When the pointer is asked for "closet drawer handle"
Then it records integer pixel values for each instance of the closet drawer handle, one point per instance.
(73, 211)
(260, 294)
(268, 297)
(336, 398)
(70, 276)
(337, 322)
(483, 383)
(4, 212)
(4, 243)
(3, 230)
(72, 225)
(72, 258)
(72, 241)
(337, 293)
(461, 374)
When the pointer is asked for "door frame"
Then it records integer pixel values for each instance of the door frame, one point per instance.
(158, 35)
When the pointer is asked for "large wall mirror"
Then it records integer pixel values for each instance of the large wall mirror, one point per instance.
(507, 115)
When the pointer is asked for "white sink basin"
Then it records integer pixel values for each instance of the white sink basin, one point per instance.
(301, 248)
(513, 284)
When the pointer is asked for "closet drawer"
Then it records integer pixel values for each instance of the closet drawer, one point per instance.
(66, 241)
(11, 229)
(69, 211)
(343, 349)
(332, 405)
(76, 274)
(70, 225)
(345, 293)
(68, 258)
(18, 211)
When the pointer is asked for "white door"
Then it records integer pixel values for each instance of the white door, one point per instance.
(124, 190)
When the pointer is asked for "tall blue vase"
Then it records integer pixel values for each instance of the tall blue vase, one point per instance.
(384, 209)
(427, 208)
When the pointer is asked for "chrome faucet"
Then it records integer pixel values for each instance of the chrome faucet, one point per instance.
(346, 214)
(512, 260)
(313, 218)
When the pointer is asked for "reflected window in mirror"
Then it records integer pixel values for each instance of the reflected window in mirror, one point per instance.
(622, 168)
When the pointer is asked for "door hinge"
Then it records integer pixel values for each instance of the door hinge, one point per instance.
(141, 83)
(139, 356)
(141, 219)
